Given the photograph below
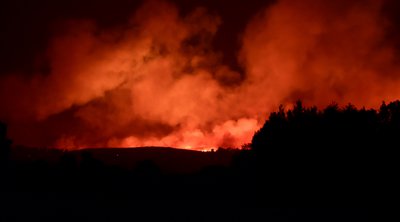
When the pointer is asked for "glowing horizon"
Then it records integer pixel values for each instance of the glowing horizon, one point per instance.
(156, 80)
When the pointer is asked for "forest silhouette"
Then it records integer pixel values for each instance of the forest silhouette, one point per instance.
(300, 155)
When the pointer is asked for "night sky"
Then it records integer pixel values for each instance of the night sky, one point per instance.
(189, 74)
(27, 26)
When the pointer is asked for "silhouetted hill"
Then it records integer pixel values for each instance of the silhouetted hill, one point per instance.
(301, 156)
(171, 160)
(168, 159)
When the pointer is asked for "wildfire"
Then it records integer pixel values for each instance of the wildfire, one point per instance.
(156, 80)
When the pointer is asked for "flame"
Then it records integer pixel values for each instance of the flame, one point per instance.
(156, 80)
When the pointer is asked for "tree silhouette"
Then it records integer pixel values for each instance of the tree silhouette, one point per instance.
(335, 143)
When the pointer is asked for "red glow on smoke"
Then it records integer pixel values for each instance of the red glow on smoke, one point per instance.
(156, 81)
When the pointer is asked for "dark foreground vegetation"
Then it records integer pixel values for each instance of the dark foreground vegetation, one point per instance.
(303, 156)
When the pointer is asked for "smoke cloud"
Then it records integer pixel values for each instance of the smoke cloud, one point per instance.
(321, 52)
(157, 81)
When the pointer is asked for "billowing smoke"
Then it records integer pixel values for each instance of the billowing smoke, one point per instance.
(156, 80)
(320, 52)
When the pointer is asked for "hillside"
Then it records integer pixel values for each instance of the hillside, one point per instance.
(169, 160)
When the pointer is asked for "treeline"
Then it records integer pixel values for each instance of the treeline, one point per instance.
(334, 137)
(348, 128)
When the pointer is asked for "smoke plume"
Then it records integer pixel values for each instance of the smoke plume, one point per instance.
(157, 81)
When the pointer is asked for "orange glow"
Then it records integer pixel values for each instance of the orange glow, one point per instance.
(147, 84)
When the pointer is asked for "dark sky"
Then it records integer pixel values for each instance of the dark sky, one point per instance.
(26, 26)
